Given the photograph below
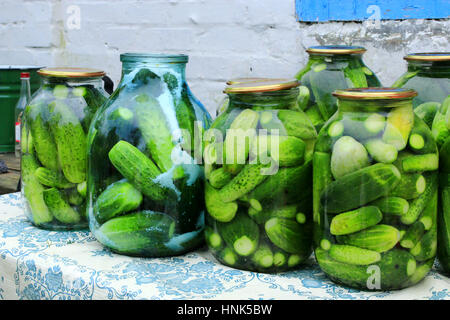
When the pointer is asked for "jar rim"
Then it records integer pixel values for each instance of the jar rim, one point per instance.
(428, 56)
(374, 93)
(265, 85)
(153, 57)
(336, 49)
(64, 72)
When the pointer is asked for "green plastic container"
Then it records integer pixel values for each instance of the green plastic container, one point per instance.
(9, 94)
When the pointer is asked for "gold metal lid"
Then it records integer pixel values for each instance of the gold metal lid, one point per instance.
(375, 93)
(71, 72)
(245, 80)
(428, 56)
(336, 49)
(262, 86)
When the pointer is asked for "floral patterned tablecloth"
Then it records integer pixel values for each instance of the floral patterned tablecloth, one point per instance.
(39, 264)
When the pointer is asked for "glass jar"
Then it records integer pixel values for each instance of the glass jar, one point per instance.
(53, 146)
(330, 68)
(375, 191)
(258, 195)
(145, 179)
(441, 133)
(429, 75)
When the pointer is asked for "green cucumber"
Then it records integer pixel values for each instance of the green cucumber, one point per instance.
(349, 274)
(285, 150)
(370, 183)
(379, 238)
(428, 215)
(297, 124)
(241, 234)
(43, 141)
(228, 256)
(356, 220)
(136, 232)
(336, 129)
(59, 208)
(219, 210)
(156, 132)
(410, 187)
(33, 191)
(119, 197)
(315, 117)
(353, 255)
(285, 184)
(138, 169)
(392, 205)
(412, 235)
(440, 129)
(219, 178)
(262, 216)
(427, 246)
(419, 163)
(363, 126)
(186, 120)
(417, 205)
(73, 197)
(279, 259)
(341, 163)
(213, 238)
(354, 72)
(421, 141)
(263, 256)
(245, 181)
(294, 260)
(400, 82)
(82, 189)
(398, 126)
(321, 177)
(70, 140)
(51, 178)
(381, 151)
(288, 235)
(427, 111)
(303, 97)
(396, 267)
(238, 140)
(420, 273)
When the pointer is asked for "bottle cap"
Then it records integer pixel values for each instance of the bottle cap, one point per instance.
(375, 93)
(24, 75)
(428, 56)
(71, 72)
(262, 86)
(336, 50)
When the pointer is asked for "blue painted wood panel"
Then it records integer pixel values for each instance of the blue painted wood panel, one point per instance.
(357, 10)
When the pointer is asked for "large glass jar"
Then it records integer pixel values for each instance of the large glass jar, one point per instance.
(375, 191)
(429, 75)
(53, 144)
(441, 132)
(145, 179)
(258, 157)
(330, 68)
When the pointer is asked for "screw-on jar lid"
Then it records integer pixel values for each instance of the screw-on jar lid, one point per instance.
(248, 80)
(336, 49)
(262, 86)
(428, 56)
(375, 93)
(71, 72)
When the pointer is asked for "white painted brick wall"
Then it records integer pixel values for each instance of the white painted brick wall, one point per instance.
(224, 38)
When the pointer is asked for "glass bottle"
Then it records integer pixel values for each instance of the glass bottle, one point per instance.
(145, 178)
(258, 178)
(330, 68)
(375, 191)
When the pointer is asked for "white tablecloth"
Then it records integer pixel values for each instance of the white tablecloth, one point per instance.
(39, 264)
